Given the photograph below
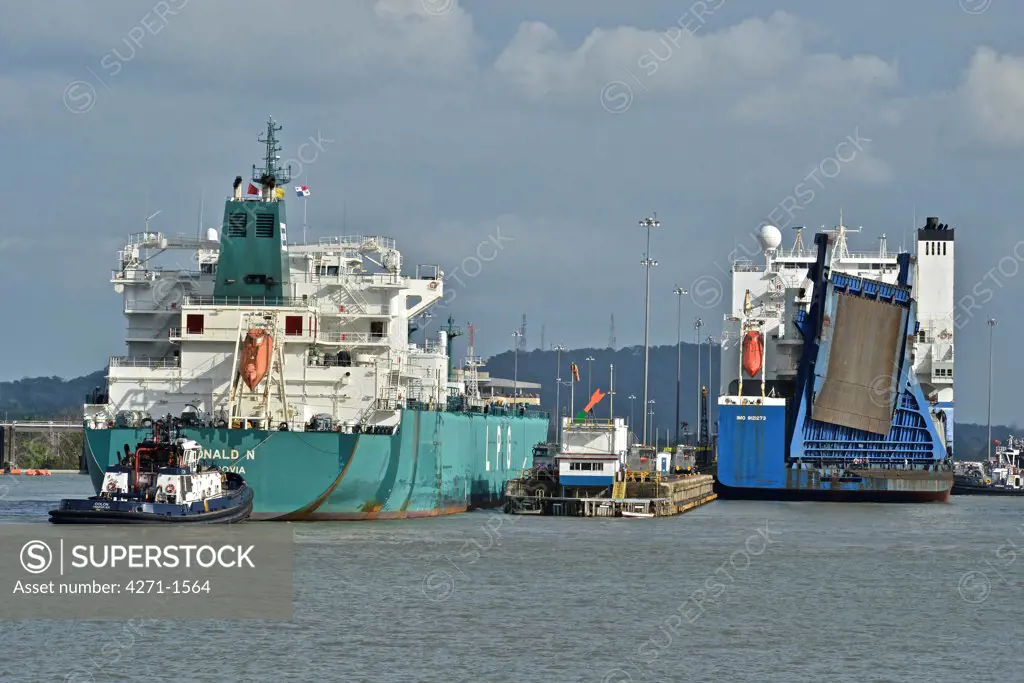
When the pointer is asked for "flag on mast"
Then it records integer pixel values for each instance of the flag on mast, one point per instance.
(279, 192)
(575, 372)
(252, 189)
(302, 190)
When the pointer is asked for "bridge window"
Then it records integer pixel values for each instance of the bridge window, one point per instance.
(194, 323)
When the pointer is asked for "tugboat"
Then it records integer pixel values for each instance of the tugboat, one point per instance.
(161, 482)
(1000, 475)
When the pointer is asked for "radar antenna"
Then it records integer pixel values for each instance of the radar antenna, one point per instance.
(271, 175)
(838, 239)
(798, 243)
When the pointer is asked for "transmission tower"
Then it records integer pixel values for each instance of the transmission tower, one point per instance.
(611, 333)
(542, 337)
(472, 365)
(522, 334)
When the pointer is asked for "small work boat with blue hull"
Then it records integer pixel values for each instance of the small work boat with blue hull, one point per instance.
(162, 482)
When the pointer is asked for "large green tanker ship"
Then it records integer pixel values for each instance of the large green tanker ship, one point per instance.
(292, 364)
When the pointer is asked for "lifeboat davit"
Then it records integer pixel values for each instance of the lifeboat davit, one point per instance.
(255, 357)
(753, 352)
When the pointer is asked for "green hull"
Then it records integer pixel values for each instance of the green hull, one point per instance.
(436, 463)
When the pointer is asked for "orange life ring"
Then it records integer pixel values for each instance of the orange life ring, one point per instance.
(170, 488)
(433, 284)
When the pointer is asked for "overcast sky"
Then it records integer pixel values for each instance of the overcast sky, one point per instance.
(548, 128)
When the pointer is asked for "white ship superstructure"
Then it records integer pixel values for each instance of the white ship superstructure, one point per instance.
(767, 296)
(341, 338)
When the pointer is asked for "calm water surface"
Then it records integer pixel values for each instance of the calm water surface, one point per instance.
(733, 591)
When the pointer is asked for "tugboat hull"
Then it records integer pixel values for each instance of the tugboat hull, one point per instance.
(227, 510)
(968, 490)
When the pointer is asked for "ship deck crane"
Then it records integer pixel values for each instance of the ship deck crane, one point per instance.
(453, 332)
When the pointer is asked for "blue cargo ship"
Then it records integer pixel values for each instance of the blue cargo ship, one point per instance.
(822, 364)
(293, 365)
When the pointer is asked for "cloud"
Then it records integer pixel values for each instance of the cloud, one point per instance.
(762, 62)
(170, 41)
(869, 169)
(992, 96)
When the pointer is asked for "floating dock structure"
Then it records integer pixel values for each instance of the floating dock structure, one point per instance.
(657, 497)
(593, 472)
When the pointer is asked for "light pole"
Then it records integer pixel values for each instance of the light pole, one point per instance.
(710, 395)
(589, 359)
(650, 410)
(697, 324)
(611, 392)
(632, 398)
(558, 390)
(647, 263)
(516, 334)
(991, 329)
(680, 293)
(565, 383)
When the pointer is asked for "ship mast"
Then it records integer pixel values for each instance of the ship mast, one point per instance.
(271, 175)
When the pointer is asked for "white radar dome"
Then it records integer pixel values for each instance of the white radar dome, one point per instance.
(770, 236)
(211, 234)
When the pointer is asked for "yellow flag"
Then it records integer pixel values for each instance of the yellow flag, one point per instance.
(279, 192)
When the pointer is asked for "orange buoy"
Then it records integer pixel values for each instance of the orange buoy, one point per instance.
(255, 357)
(753, 351)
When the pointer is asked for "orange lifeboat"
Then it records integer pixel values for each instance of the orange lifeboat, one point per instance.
(255, 357)
(753, 351)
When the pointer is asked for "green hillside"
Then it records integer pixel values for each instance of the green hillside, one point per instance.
(53, 397)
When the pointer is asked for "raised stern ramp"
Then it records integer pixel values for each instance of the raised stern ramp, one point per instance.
(859, 387)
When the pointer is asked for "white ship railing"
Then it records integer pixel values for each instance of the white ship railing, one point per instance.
(352, 279)
(136, 305)
(149, 275)
(329, 360)
(382, 279)
(154, 240)
(348, 309)
(432, 346)
(255, 301)
(226, 334)
(362, 242)
(745, 265)
(352, 338)
(142, 362)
